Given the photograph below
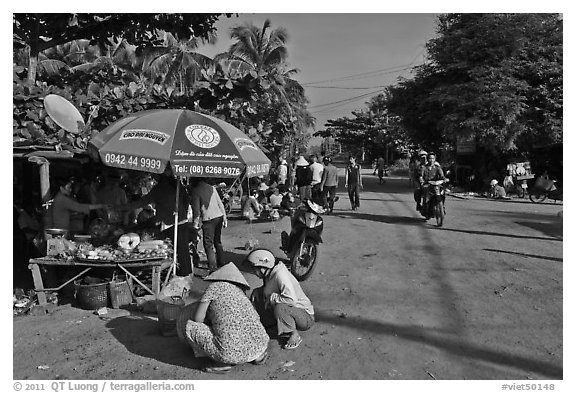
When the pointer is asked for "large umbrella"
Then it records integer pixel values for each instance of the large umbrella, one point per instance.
(193, 144)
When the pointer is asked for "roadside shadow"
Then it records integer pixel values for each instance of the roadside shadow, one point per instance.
(451, 345)
(546, 228)
(140, 335)
(525, 255)
(402, 220)
(381, 200)
(497, 234)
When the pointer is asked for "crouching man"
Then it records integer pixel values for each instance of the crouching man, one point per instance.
(281, 299)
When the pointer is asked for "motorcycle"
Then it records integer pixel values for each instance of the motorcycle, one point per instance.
(435, 199)
(302, 245)
(543, 189)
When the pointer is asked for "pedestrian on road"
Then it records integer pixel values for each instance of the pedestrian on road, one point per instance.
(419, 167)
(317, 170)
(226, 328)
(303, 178)
(353, 182)
(329, 184)
(208, 212)
(282, 296)
(381, 166)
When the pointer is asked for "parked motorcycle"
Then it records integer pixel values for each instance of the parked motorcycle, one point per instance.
(435, 200)
(302, 245)
(545, 188)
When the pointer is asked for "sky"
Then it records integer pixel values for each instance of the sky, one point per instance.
(343, 59)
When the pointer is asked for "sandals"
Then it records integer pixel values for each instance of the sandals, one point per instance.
(261, 360)
(293, 345)
(217, 368)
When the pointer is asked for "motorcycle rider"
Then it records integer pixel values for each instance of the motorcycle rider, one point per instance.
(296, 225)
(432, 171)
(418, 191)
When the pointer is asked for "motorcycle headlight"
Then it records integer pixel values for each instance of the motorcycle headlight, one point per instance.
(310, 219)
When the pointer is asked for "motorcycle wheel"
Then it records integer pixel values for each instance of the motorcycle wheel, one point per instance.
(439, 213)
(228, 207)
(303, 264)
(537, 196)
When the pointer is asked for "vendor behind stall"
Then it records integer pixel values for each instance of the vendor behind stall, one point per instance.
(67, 212)
(112, 194)
(163, 196)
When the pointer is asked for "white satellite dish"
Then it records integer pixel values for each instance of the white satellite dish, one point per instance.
(64, 113)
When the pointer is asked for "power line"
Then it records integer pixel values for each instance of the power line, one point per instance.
(361, 75)
(344, 100)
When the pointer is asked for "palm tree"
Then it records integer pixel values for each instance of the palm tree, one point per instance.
(258, 48)
(176, 62)
(263, 53)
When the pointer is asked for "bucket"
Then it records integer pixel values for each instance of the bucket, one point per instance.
(168, 310)
(92, 296)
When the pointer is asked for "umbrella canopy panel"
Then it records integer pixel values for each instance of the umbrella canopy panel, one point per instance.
(193, 144)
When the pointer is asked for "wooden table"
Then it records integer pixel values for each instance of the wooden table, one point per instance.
(156, 265)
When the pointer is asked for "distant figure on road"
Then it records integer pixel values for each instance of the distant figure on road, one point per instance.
(329, 184)
(303, 178)
(353, 181)
(381, 169)
(419, 167)
(317, 170)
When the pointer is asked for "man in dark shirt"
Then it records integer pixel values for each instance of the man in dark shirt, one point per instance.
(353, 181)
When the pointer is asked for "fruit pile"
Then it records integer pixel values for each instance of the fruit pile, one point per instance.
(130, 248)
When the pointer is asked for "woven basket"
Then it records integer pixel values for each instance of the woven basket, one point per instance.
(120, 294)
(186, 313)
(168, 310)
(92, 296)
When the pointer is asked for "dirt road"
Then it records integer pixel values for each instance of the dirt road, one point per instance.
(395, 298)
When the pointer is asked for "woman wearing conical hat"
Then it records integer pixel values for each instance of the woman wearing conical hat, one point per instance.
(226, 329)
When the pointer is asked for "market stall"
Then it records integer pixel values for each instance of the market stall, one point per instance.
(188, 143)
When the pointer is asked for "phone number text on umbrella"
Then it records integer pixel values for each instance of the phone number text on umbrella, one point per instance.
(133, 162)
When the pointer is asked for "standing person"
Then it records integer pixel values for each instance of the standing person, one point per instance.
(353, 182)
(418, 168)
(163, 196)
(112, 194)
(380, 165)
(317, 169)
(65, 208)
(281, 300)
(292, 175)
(282, 172)
(328, 184)
(303, 178)
(209, 211)
(226, 328)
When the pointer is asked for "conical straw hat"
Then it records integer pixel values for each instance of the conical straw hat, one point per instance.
(301, 161)
(230, 273)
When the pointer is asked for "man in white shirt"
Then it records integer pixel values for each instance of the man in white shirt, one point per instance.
(282, 172)
(317, 170)
(207, 208)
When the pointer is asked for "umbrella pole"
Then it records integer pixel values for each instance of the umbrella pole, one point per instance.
(175, 261)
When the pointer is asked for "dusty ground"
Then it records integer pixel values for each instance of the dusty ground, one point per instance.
(396, 298)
